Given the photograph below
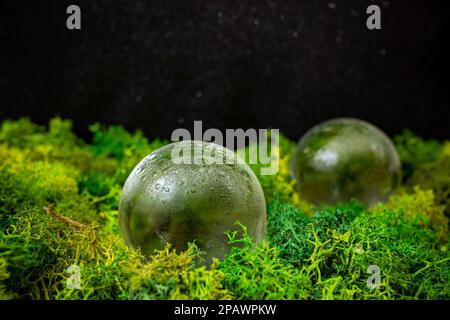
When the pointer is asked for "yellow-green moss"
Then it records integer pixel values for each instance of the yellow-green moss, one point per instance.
(58, 208)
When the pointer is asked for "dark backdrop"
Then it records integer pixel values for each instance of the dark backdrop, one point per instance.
(159, 65)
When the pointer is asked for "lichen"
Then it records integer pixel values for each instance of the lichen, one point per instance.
(58, 208)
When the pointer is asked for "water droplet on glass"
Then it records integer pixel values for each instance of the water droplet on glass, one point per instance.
(197, 204)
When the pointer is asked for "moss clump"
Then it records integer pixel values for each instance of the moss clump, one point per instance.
(125, 148)
(290, 229)
(421, 204)
(259, 272)
(4, 275)
(415, 152)
(435, 176)
(172, 275)
(426, 164)
(58, 208)
(335, 246)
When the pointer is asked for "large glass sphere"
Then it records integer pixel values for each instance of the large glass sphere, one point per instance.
(345, 158)
(165, 201)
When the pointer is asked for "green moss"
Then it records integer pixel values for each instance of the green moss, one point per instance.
(58, 208)
(280, 185)
(21, 133)
(334, 248)
(290, 229)
(4, 275)
(415, 152)
(421, 204)
(127, 149)
(426, 163)
(435, 176)
(258, 271)
(412, 263)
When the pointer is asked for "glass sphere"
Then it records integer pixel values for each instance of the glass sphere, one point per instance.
(345, 158)
(166, 200)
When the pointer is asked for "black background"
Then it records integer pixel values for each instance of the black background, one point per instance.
(160, 65)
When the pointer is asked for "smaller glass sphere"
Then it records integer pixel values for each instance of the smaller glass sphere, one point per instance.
(345, 158)
(166, 200)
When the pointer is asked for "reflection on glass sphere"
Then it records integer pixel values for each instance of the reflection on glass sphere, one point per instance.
(345, 158)
(165, 201)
